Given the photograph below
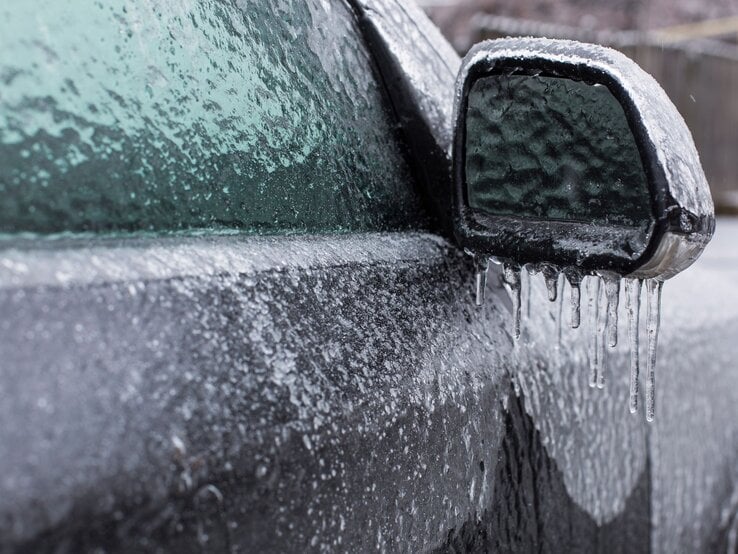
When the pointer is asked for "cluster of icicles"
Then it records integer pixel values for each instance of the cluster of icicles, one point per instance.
(603, 321)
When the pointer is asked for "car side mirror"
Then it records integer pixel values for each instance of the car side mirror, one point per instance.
(570, 157)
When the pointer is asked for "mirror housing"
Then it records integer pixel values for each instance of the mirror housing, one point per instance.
(570, 155)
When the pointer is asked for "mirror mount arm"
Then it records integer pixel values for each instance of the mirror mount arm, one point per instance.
(418, 83)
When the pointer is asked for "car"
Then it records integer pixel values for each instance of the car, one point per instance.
(238, 314)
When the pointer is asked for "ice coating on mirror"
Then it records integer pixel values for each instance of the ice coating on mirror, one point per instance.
(665, 127)
(676, 175)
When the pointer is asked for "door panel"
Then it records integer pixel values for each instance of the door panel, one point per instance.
(297, 394)
(694, 440)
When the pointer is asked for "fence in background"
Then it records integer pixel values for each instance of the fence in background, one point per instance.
(700, 77)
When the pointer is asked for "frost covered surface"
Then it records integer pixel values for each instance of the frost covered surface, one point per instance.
(685, 204)
(695, 438)
(430, 66)
(304, 404)
(418, 69)
(84, 262)
(167, 115)
(600, 448)
(693, 442)
(290, 400)
(603, 313)
(334, 392)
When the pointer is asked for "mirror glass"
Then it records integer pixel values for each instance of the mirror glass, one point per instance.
(550, 148)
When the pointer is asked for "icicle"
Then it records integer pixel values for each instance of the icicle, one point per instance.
(612, 292)
(633, 307)
(602, 325)
(653, 322)
(575, 280)
(576, 295)
(593, 292)
(511, 278)
(480, 280)
(528, 293)
(551, 275)
(560, 315)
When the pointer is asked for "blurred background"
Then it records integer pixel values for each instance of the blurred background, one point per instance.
(689, 46)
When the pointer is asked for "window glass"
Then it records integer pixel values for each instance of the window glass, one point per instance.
(134, 115)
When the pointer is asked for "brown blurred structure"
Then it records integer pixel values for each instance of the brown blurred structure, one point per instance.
(690, 46)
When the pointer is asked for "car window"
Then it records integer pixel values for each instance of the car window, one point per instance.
(165, 116)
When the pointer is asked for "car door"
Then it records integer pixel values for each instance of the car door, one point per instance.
(676, 493)
(232, 322)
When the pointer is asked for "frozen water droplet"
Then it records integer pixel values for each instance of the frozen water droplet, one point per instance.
(593, 292)
(653, 322)
(633, 307)
(179, 446)
(480, 279)
(511, 279)
(612, 292)
(551, 275)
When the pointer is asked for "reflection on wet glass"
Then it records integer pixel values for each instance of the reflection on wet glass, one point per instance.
(554, 149)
